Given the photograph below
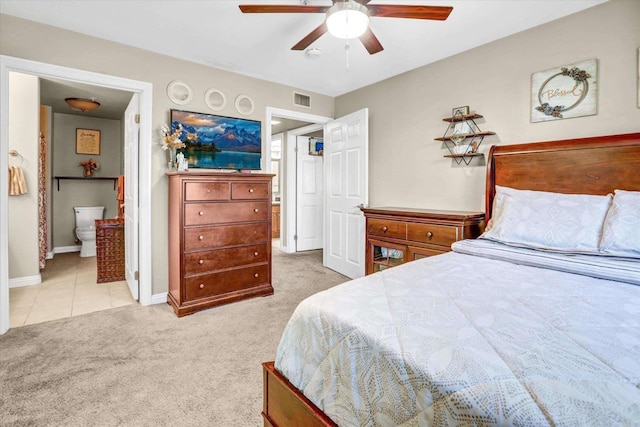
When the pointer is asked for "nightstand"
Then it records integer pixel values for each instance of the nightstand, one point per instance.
(399, 235)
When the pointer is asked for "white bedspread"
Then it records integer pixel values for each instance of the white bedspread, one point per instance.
(464, 340)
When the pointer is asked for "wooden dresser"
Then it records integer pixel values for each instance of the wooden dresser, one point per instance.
(219, 239)
(398, 235)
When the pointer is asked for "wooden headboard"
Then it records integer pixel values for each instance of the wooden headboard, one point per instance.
(595, 165)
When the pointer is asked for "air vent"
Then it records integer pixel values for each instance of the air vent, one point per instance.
(301, 100)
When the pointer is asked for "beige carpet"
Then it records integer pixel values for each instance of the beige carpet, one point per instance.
(142, 366)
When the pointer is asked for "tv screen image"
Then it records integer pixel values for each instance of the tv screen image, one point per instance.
(219, 142)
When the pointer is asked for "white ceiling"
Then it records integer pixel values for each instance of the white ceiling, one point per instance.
(217, 34)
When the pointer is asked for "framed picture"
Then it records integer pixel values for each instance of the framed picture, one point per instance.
(565, 92)
(87, 141)
(316, 147)
(460, 111)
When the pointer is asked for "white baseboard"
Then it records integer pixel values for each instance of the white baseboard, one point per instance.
(65, 249)
(19, 282)
(50, 254)
(159, 298)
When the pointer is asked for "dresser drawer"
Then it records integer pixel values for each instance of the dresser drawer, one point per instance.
(388, 228)
(206, 191)
(199, 238)
(220, 213)
(443, 235)
(227, 281)
(219, 259)
(249, 191)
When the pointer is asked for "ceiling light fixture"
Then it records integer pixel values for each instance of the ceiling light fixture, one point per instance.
(347, 20)
(82, 104)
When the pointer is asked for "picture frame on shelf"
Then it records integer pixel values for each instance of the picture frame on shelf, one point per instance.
(460, 111)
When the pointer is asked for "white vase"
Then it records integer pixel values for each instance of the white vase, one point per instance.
(172, 164)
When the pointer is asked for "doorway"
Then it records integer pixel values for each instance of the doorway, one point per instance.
(304, 124)
(142, 168)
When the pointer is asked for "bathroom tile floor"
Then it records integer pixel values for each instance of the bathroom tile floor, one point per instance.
(68, 289)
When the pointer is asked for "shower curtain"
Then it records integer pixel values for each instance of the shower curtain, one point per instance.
(42, 200)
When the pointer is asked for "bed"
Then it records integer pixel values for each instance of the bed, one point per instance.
(496, 332)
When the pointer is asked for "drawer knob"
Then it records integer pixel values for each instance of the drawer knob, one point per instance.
(429, 234)
(255, 254)
(251, 190)
(201, 261)
(201, 285)
(256, 275)
(384, 229)
(200, 213)
(256, 210)
(208, 190)
(200, 237)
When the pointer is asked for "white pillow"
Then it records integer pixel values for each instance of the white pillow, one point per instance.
(621, 231)
(551, 221)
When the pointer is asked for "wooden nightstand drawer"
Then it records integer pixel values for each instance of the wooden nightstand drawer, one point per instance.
(220, 213)
(387, 228)
(219, 259)
(206, 191)
(443, 235)
(249, 191)
(199, 238)
(224, 282)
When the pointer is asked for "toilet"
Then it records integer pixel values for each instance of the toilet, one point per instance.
(85, 227)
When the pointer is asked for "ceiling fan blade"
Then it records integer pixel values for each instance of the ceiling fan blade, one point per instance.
(438, 13)
(371, 42)
(274, 8)
(311, 37)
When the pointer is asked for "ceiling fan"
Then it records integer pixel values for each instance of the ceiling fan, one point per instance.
(349, 19)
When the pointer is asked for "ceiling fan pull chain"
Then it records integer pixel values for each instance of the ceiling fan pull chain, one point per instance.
(346, 52)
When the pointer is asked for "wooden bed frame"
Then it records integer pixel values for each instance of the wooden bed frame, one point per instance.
(595, 165)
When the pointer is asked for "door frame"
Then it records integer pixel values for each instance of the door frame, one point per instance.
(145, 90)
(288, 167)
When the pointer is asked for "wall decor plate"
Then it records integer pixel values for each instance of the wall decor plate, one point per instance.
(244, 104)
(179, 92)
(215, 99)
(565, 92)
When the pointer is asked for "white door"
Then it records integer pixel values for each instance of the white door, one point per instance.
(131, 138)
(346, 159)
(309, 196)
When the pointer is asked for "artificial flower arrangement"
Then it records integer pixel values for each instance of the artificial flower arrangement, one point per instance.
(89, 166)
(171, 140)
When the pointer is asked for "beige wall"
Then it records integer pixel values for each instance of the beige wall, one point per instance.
(406, 164)
(67, 163)
(30, 40)
(24, 103)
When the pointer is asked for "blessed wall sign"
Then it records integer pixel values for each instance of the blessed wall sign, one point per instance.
(565, 92)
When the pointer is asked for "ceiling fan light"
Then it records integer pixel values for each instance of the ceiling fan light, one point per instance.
(347, 20)
(82, 104)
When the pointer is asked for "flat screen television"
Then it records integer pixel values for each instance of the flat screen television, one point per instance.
(218, 142)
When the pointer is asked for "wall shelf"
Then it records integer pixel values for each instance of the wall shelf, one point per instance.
(463, 133)
(88, 178)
